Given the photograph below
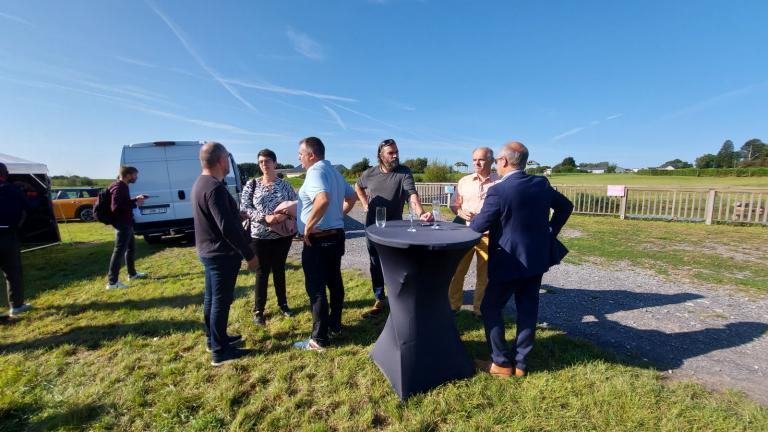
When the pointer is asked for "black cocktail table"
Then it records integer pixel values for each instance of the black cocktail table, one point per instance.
(419, 348)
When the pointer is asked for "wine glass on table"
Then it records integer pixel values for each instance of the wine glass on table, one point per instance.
(411, 216)
(381, 217)
(436, 213)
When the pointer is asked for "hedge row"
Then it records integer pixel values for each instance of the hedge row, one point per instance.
(707, 172)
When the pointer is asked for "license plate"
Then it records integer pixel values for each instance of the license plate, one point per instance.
(151, 211)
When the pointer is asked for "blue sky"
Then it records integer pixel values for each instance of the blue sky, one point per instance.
(632, 82)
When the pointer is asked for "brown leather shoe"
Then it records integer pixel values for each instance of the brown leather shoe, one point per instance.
(494, 369)
(376, 310)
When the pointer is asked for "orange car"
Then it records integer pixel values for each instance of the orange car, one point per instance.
(74, 203)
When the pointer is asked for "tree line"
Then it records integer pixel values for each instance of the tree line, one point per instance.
(753, 153)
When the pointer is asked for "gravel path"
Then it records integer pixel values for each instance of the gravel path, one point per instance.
(717, 338)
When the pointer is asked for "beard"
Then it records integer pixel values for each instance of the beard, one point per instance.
(391, 164)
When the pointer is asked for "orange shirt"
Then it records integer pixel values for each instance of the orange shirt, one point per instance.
(471, 191)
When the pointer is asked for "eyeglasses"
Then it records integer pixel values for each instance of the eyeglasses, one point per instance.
(387, 142)
(498, 159)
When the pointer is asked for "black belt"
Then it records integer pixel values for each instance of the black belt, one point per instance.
(325, 233)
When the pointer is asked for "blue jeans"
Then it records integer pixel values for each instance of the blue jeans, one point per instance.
(377, 276)
(220, 279)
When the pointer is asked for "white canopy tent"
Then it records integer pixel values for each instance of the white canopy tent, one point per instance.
(18, 165)
(39, 227)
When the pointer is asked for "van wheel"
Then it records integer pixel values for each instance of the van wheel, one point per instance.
(152, 239)
(85, 214)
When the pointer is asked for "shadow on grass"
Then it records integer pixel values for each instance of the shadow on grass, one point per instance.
(177, 301)
(93, 337)
(60, 265)
(74, 418)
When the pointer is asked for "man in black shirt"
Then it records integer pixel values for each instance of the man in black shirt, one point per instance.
(14, 205)
(221, 245)
(387, 185)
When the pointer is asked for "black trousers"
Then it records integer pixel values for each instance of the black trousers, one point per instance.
(497, 294)
(272, 254)
(10, 264)
(125, 248)
(322, 268)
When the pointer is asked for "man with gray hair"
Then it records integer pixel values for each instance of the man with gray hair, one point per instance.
(467, 202)
(523, 246)
(221, 245)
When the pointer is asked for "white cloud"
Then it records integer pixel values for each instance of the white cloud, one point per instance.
(576, 130)
(335, 116)
(126, 103)
(15, 18)
(304, 45)
(215, 75)
(204, 123)
(134, 61)
(285, 90)
(568, 133)
(369, 117)
(715, 100)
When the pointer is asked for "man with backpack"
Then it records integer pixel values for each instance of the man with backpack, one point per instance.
(120, 216)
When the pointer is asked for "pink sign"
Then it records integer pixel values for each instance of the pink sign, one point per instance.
(616, 190)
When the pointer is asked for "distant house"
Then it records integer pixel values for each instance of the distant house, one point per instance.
(600, 167)
(667, 167)
(290, 172)
(594, 168)
(532, 164)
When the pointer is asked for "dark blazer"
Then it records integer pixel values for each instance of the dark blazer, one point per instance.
(516, 212)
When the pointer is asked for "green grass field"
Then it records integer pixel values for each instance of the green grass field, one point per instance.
(642, 180)
(91, 359)
(97, 183)
(724, 256)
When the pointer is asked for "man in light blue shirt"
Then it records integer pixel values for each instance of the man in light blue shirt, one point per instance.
(323, 201)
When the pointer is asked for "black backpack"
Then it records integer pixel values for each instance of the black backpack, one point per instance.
(102, 209)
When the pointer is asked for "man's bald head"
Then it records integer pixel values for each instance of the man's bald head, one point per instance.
(211, 153)
(516, 153)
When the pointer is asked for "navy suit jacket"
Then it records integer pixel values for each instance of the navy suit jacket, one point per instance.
(516, 212)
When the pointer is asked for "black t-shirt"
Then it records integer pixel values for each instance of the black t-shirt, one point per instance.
(218, 230)
(390, 190)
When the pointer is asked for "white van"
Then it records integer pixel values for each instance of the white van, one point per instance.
(167, 171)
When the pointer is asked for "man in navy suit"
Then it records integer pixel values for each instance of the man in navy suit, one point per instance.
(523, 245)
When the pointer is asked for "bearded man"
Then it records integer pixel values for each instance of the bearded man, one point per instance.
(387, 185)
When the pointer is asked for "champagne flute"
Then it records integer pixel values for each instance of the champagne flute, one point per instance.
(436, 213)
(410, 217)
(381, 217)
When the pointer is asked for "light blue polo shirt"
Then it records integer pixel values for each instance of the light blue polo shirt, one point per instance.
(323, 177)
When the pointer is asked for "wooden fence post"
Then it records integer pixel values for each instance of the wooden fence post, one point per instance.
(710, 206)
(623, 208)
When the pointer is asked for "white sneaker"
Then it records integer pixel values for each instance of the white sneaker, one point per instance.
(137, 276)
(117, 285)
(20, 310)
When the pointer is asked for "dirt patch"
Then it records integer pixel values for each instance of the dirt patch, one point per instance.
(571, 233)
